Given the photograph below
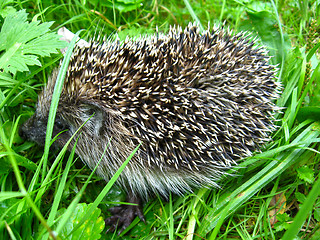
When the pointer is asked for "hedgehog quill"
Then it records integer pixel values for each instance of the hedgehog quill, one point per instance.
(196, 102)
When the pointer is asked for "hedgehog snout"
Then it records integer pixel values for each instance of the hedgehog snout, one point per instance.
(34, 129)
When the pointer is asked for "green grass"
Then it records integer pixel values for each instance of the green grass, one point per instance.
(273, 194)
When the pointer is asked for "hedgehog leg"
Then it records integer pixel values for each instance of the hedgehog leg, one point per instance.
(124, 215)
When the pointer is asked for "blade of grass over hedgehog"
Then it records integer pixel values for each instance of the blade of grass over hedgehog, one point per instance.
(53, 108)
(57, 199)
(73, 205)
(50, 175)
(229, 203)
(75, 201)
(106, 189)
(55, 100)
(58, 195)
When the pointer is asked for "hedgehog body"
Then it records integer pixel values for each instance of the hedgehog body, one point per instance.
(197, 103)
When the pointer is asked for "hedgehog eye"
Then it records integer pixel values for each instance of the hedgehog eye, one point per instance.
(94, 117)
(60, 125)
(90, 112)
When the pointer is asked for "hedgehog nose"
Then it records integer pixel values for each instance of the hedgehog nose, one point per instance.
(26, 129)
(33, 130)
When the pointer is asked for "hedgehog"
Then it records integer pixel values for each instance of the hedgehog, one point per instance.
(196, 101)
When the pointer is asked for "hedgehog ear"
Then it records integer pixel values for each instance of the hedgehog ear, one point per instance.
(95, 118)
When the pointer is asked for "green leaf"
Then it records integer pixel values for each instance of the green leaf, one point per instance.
(22, 42)
(7, 10)
(300, 197)
(282, 223)
(265, 24)
(317, 214)
(306, 174)
(90, 229)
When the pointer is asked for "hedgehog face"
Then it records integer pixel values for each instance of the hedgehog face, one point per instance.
(36, 126)
(34, 129)
(68, 120)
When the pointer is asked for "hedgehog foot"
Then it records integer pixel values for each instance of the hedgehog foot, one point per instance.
(123, 215)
